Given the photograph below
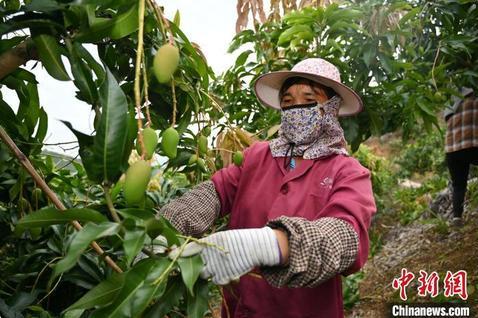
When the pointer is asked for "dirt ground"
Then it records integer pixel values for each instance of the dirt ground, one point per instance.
(440, 251)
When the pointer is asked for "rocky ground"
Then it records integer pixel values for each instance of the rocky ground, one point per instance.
(428, 244)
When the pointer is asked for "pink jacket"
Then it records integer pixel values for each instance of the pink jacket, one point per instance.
(261, 190)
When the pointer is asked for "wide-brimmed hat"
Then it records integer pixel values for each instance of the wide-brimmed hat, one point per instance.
(267, 86)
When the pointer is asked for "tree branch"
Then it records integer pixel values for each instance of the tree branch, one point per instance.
(51, 195)
(110, 205)
(13, 58)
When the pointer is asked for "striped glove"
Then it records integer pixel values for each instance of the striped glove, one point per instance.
(231, 254)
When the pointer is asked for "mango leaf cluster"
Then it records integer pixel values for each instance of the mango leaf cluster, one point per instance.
(406, 59)
(137, 290)
(62, 264)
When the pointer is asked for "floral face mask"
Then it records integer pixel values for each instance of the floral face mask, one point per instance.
(306, 131)
(300, 124)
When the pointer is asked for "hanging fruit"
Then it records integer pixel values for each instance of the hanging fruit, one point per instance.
(37, 194)
(202, 165)
(238, 158)
(169, 142)
(193, 159)
(136, 182)
(202, 144)
(206, 131)
(150, 140)
(165, 62)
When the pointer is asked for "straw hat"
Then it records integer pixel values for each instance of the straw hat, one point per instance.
(267, 86)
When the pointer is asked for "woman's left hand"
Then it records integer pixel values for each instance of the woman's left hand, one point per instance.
(230, 254)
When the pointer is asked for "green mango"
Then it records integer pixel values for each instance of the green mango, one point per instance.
(165, 62)
(193, 159)
(23, 204)
(150, 140)
(206, 131)
(238, 158)
(201, 164)
(202, 144)
(169, 142)
(37, 194)
(136, 181)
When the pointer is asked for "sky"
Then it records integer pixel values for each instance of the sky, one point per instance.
(209, 23)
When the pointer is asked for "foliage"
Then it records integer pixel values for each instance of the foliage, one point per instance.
(394, 54)
(47, 264)
(472, 194)
(422, 155)
(405, 59)
(350, 289)
(28, 260)
(381, 170)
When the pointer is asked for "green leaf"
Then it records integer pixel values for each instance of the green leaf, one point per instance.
(177, 18)
(93, 169)
(242, 58)
(29, 108)
(157, 226)
(132, 133)
(240, 39)
(24, 75)
(76, 313)
(291, 32)
(8, 119)
(411, 14)
(137, 214)
(102, 294)
(138, 291)
(197, 304)
(173, 293)
(125, 23)
(190, 269)
(42, 125)
(133, 242)
(23, 21)
(376, 122)
(7, 44)
(351, 129)
(386, 63)
(43, 5)
(82, 75)
(80, 242)
(154, 227)
(424, 107)
(369, 54)
(50, 216)
(92, 63)
(120, 26)
(200, 63)
(112, 135)
(49, 52)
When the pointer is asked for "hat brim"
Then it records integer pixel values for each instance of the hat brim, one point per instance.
(267, 87)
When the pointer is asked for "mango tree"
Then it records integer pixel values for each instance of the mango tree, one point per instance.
(406, 59)
(85, 241)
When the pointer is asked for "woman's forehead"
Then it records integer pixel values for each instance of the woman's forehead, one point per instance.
(304, 86)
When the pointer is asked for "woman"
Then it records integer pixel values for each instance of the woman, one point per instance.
(461, 147)
(299, 206)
